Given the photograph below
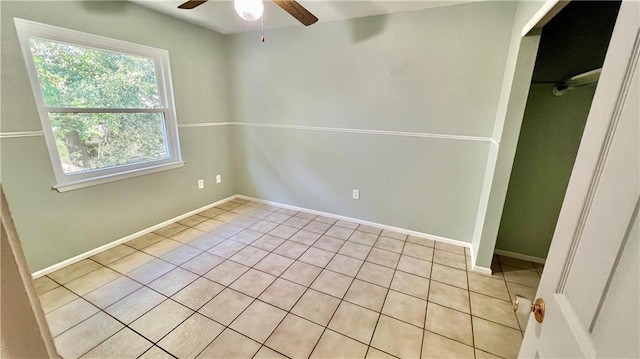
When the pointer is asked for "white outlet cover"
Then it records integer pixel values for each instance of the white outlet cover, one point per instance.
(200, 184)
(218, 179)
(356, 194)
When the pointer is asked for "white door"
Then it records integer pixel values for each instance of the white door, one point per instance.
(591, 277)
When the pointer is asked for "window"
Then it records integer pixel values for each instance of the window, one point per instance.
(106, 106)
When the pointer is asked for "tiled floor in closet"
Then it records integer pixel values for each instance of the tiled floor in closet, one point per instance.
(247, 280)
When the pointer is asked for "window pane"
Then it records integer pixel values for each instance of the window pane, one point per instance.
(88, 141)
(77, 76)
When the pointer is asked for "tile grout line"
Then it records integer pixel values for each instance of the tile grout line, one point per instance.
(433, 254)
(194, 312)
(225, 327)
(355, 229)
(143, 286)
(266, 303)
(245, 227)
(101, 310)
(473, 334)
(385, 299)
(510, 298)
(325, 327)
(277, 277)
(203, 305)
(353, 279)
(505, 284)
(163, 302)
(254, 299)
(309, 287)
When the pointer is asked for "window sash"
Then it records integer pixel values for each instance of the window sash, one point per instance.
(117, 168)
(105, 110)
(112, 172)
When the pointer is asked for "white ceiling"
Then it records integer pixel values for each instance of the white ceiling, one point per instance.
(219, 15)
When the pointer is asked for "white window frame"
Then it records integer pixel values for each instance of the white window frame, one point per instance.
(66, 182)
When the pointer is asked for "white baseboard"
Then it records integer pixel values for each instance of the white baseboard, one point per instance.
(523, 257)
(360, 221)
(110, 245)
(481, 270)
(478, 269)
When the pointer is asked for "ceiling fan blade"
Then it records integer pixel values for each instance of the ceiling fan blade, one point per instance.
(298, 11)
(191, 4)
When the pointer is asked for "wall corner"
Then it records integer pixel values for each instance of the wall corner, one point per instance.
(513, 99)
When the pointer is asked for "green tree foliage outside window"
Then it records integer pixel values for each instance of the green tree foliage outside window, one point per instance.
(76, 77)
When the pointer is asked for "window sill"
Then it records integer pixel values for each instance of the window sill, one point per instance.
(73, 185)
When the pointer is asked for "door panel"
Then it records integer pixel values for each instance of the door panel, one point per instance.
(617, 309)
(599, 206)
(566, 328)
(610, 213)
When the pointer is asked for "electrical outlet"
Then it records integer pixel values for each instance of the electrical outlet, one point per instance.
(356, 194)
(200, 184)
(218, 178)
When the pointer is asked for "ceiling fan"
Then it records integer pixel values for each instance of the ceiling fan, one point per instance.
(251, 10)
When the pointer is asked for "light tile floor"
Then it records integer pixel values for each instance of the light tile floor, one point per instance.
(249, 280)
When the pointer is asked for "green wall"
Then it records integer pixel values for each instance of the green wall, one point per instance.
(549, 139)
(57, 226)
(437, 71)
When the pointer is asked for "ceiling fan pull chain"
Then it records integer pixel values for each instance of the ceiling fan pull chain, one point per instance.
(262, 26)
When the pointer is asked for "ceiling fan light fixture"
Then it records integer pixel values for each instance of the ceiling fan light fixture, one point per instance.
(250, 10)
